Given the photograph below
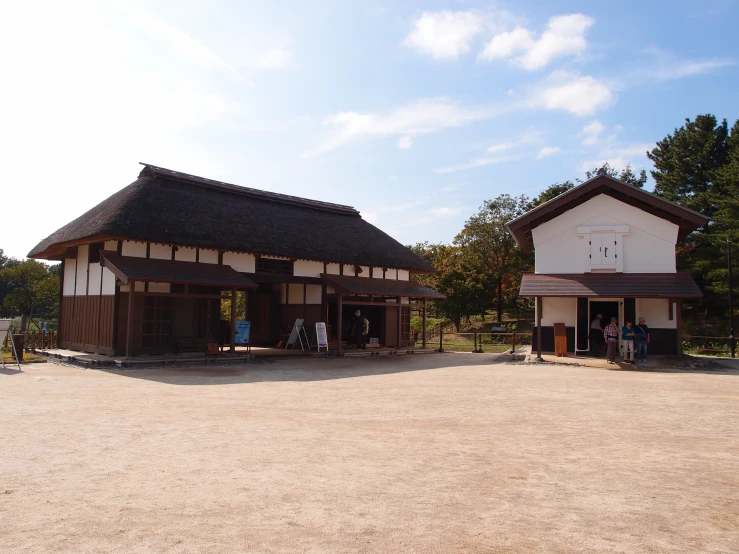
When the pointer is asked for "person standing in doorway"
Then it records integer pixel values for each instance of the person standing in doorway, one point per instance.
(360, 328)
(627, 334)
(642, 340)
(596, 335)
(611, 335)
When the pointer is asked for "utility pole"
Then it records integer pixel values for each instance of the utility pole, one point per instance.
(732, 339)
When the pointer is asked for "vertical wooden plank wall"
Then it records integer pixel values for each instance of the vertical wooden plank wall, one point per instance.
(87, 323)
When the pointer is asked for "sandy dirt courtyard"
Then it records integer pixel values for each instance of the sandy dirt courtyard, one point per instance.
(433, 453)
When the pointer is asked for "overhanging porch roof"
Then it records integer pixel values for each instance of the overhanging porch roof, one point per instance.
(128, 268)
(611, 285)
(366, 286)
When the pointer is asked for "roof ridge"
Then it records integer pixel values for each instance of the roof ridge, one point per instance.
(247, 191)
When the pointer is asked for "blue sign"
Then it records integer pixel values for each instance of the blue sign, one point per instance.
(242, 333)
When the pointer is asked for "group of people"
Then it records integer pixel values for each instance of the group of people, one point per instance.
(635, 339)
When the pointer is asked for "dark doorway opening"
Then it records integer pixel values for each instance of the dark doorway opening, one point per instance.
(374, 314)
(607, 310)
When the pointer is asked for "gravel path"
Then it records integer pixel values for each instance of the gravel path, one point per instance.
(437, 453)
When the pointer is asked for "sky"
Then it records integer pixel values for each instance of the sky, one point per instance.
(412, 112)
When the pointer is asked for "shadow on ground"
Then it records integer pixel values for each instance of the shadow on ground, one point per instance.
(302, 370)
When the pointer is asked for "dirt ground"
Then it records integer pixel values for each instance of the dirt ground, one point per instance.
(432, 453)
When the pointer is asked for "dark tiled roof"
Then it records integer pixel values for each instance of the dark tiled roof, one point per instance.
(687, 220)
(380, 287)
(170, 207)
(616, 285)
(128, 268)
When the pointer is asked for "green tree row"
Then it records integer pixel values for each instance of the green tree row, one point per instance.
(28, 289)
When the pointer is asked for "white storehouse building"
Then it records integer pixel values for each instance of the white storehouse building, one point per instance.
(606, 247)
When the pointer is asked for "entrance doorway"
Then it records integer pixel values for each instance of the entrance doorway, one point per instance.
(607, 310)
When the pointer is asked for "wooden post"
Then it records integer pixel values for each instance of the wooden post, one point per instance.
(232, 340)
(340, 298)
(400, 321)
(424, 324)
(441, 336)
(129, 322)
(538, 330)
(679, 325)
(474, 348)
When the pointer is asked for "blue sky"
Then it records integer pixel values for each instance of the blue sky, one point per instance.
(413, 112)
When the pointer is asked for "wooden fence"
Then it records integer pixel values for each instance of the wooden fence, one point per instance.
(35, 339)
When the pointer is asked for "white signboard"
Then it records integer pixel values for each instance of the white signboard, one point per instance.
(321, 337)
(4, 327)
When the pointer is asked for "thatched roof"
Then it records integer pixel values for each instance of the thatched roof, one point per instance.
(170, 207)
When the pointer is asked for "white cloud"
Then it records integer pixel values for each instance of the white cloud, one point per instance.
(405, 142)
(445, 34)
(591, 132)
(633, 154)
(547, 151)
(687, 68)
(564, 36)
(369, 217)
(527, 138)
(666, 66)
(502, 147)
(175, 38)
(446, 211)
(274, 58)
(416, 118)
(579, 95)
(479, 162)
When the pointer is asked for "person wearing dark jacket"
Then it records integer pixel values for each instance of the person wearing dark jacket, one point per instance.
(359, 330)
(642, 340)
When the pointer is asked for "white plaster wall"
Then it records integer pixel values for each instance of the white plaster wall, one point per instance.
(377, 273)
(404, 275)
(391, 274)
(111, 245)
(70, 272)
(185, 254)
(135, 249)
(208, 256)
(159, 287)
(405, 300)
(108, 282)
(333, 269)
(559, 310)
(313, 294)
(246, 263)
(648, 248)
(160, 251)
(306, 268)
(348, 270)
(296, 294)
(365, 271)
(139, 287)
(83, 252)
(656, 312)
(94, 276)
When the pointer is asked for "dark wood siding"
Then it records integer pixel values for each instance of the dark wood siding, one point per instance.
(87, 323)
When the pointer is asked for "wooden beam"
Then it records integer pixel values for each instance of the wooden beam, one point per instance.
(129, 322)
(538, 329)
(424, 324)
(233, 321)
